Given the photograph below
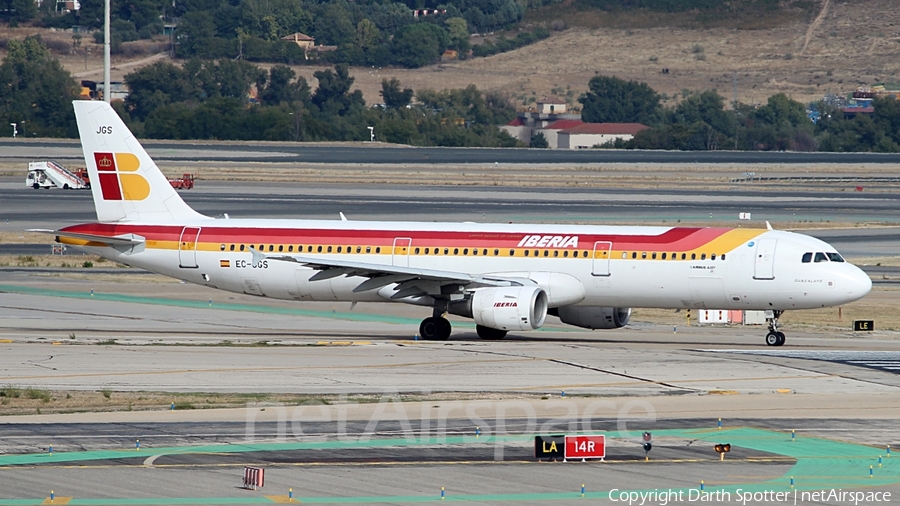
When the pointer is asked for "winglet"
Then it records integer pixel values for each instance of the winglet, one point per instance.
(769, 226)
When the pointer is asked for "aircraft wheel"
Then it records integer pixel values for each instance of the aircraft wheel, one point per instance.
(66, 186)
(35, 186)
(781, 339)
(434, 329)
(489, 334)
(772, 339)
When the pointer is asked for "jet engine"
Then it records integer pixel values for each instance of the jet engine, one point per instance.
(592, 317)
(505, 308)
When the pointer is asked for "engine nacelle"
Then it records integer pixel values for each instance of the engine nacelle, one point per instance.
(592, 317)
(505, 308)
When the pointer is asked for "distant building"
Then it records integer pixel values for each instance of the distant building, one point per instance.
(551, 105)
(428, 12)
(528, 123)
(308, 44)
(450, 55)
(588, 135)
(301, 39)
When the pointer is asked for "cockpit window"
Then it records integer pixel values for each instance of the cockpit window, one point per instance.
(835, 257)
(807, 258)
(820, 257)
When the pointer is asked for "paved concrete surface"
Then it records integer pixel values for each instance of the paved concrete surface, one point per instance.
(240, 151)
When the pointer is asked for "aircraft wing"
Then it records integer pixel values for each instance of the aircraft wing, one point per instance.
(117, 240)
(412, 281)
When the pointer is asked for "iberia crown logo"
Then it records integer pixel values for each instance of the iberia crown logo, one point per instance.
(118, 180)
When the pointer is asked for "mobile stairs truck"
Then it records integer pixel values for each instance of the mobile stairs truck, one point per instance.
(49, 174)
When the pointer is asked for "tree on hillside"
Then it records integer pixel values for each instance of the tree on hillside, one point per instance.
(333, 96)
(36, 92)
(419, 44)
(281, 88)
(19, 10)
(393, 96)
(614, 100)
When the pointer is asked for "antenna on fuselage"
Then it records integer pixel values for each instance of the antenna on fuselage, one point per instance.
(343, 218)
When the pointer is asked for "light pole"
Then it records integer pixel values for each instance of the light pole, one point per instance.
(106, 62)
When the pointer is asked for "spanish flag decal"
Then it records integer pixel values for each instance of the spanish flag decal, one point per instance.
(224, 263)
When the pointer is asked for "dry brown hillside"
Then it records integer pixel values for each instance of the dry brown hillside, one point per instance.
(847, 44)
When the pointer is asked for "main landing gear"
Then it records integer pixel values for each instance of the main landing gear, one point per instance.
(774, 337)
(435, 328)
(438, 328)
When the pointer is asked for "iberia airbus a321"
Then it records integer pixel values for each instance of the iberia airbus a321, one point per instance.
(506, 277)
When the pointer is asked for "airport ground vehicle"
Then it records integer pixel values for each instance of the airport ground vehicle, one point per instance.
(506, 277)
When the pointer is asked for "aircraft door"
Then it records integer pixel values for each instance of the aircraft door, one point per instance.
(602, 252)
(187, 247)
(400, 252)
(764, 265)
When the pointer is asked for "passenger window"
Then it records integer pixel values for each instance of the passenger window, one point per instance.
(546, 253)
(339, 249)
(634, 254)
(281, 247)
(807, 257)
(820, 257)
(358, 249)
(291, 248)
(271, 247)
(565, 254)
(584, 254)
(556, 253)
(834, 257)
(426, 251)
(712, 257)
(466, 251)
(329, 249)
(242, 247)
(526, 252)
(496, 252)
(484, 251)
(446, 251)
(535, 252)
(663, 256)
(474, 251)
(368, 249)
(683, 256)
(653, 256)
(644, 255)
(319, 249)
(703, 256)
(693, 256)
(378, 249)
(723, 256)
(512, 252)
(456, 251)
(231, 248)
(222, 248)
(416, 251)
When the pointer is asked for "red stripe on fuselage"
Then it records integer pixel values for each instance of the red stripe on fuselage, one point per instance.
(677, 239)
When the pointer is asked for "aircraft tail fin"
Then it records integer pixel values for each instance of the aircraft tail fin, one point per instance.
(126, 184)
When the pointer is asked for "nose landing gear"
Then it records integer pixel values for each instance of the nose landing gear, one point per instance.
(774, 337)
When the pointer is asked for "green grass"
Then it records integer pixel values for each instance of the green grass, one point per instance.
(11, 392)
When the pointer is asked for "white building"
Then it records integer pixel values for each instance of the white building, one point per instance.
(588, 135)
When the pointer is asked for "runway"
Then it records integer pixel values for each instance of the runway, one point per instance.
(390, 420)
(291, 152)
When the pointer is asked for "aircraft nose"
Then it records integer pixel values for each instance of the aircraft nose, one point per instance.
(859, 284)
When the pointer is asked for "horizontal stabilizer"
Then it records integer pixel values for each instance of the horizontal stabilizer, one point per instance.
(116, 240)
